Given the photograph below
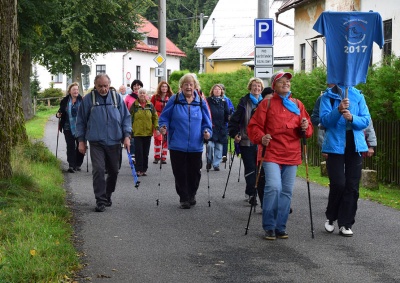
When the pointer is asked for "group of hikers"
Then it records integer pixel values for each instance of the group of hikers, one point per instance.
(266, 126)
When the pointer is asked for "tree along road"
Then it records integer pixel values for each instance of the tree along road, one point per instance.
(137, 241)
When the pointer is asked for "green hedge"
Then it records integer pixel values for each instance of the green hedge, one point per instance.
(381, 90)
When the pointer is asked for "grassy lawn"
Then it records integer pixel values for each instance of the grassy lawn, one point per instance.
(35, 223)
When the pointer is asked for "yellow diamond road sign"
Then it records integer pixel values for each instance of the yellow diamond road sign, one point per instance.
(159, 59)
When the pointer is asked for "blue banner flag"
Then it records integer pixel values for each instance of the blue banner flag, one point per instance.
(349, 39)
(135, 176)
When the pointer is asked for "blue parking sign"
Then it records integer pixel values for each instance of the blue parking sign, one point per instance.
(263, 32)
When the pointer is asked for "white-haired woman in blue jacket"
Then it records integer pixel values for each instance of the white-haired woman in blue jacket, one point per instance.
(344, 120)
(187, 119)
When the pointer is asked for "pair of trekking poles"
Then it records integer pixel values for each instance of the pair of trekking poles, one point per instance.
(253, 204)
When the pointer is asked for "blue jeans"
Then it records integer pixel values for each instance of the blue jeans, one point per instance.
(214, 151)
(279, 182)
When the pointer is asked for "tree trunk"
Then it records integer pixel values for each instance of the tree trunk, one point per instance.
(11, 119)
(77, 71)
(26, 70)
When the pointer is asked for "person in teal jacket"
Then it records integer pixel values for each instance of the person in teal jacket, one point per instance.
(344, 121)
(187, 119)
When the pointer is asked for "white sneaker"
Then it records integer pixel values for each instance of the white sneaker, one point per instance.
(329, 227)
(346, 232)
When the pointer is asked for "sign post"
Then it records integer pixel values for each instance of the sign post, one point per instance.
(263, 48)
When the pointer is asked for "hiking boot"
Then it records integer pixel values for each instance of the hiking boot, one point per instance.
(192, 201)
(100, 207)
(109, 202)
(224, 159)
(329, 227)
(281, 234)
(78, 168)
(270, 235)
(184, 205)
(71, 170)
(139, 173)
(216, 168)
(163, 162)
(144, 174)
(253, 200)
(346, 232)
(156, 161)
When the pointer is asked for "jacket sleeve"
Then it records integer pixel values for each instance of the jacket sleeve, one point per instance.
(206, 120)
(315, 113)
(126, 119)
(256, 126)
(82, 117)
(154, 117)
(370, 135)
(165, 117)
(226, 112)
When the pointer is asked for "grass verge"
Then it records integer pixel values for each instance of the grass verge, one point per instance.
(387, 195)
(35, 223)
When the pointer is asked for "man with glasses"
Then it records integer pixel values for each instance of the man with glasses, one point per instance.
(105, 122)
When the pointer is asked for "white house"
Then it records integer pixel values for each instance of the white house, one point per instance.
(123, 66)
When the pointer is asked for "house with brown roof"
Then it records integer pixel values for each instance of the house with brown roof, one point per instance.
(124, 66)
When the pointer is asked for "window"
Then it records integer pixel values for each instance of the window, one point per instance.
(303, 57)
(314, 54)
(387, 35)
(100, 69)
(57, 78)
(152, 41)
(168, 74)
(138, 72)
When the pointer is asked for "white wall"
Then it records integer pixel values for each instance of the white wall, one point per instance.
(117, 66)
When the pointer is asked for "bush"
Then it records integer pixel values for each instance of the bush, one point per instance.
(51, 93)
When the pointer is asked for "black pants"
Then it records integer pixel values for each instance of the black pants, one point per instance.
(142, 148)
(74, 157)
(186, 168)
(104, 157)
(249, 158)
(344, 172)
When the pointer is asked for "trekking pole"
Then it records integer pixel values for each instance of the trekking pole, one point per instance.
(308, 181)
(58, 134)
(237, 151)
(87, 158)
(134, 174)
(240, 165)
(229, 173)
(229, 149)
(208, 175)
(253, 204)
(159, 180)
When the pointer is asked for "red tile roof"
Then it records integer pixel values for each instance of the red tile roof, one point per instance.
(151, 31)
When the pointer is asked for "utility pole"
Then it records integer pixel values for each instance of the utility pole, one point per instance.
(201, 51)
(162, 35)
(263, 13)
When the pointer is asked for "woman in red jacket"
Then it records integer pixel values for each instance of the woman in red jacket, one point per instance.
(278, 124)
(159, 100)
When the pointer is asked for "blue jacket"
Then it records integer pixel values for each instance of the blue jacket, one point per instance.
(186, 123)
(334, 123)
(103, 122)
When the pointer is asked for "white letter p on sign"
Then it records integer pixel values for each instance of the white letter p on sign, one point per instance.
(262, 27)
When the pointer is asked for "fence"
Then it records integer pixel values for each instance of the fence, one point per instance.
(48, 99)
(386, 160)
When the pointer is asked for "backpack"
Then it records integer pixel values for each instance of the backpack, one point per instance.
(113, 96)
(136, 108)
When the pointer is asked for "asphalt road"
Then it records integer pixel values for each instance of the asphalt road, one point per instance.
(137, 241)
